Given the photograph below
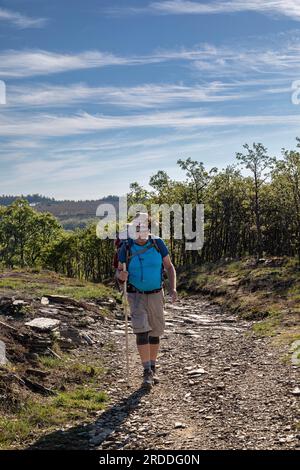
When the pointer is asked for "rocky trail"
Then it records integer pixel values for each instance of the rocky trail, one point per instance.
(221, 388)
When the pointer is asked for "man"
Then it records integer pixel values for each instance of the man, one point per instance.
(146, 258)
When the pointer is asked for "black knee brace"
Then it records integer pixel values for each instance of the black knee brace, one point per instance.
(142, 338)
(154, 339)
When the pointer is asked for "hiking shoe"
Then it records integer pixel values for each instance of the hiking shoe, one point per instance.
(155, 376)
(148, 379)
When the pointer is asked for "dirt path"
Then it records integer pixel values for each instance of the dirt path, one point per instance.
(239, 398)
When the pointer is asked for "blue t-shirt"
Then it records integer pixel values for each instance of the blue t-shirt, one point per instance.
(145, 269)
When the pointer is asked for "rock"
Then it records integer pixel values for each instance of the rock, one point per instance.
(11, 306)
(66, 344)
(161, 434)
(37, 372)
(70, 303)
(101, 436)
(179, 425)
(86, 337)
(296, 391)
(43, 324)
(220, 386)
(45, 301)
(18, 303)
(70, 337)
(37, 388)
(109, 303)
(63, 299)
(287, 439)
(49, 311)
(197, 372)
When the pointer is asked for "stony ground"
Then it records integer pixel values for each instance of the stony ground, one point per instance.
(221, 388)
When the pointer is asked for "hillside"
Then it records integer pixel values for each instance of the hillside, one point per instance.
(55, 375)
(71, 214)
(267, 291)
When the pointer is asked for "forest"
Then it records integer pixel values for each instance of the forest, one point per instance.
(252, 209)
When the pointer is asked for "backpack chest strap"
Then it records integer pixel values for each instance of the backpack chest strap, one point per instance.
(140, 252)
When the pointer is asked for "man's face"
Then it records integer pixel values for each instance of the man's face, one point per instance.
(142, 231)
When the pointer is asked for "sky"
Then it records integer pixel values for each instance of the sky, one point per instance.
(102, 93)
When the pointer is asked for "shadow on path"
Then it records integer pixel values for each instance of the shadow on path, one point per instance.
(78, 437)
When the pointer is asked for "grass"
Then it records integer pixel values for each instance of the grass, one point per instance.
(269, 295)
(76, 401)
(33, 283)
(50, 362)
(81, 399)
(268, 327)
(72, 370)
(24, 416)
(20, 429)
(85, 292)
(42, 283)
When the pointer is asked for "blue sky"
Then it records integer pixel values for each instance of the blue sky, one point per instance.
(102, 93)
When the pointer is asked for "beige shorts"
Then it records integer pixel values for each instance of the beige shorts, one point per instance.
(147, 312)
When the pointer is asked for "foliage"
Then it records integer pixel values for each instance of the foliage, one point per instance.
(251, 213)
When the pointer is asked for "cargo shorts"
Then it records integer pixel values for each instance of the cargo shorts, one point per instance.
(147, 312)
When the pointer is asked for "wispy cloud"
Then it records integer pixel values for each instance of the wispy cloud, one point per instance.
(78, 172)
(285, 57)
(43, 125)
(288, 8)
(226, 61)
(39, 62)
(142, 96)
(19, 20)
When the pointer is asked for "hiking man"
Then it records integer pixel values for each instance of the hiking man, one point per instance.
(146, 257)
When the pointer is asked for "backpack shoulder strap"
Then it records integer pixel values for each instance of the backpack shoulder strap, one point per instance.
(128, 245)
(154, 242)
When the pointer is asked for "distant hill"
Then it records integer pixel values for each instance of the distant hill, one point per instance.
(31, 198)
(71, 214)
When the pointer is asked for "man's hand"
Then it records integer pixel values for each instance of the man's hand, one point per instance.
(174, 296)
(123, 276)
(168, 265)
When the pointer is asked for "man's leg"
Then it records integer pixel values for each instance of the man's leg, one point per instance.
(154, 348)
(142, 341)
(143, 345)
(139, 320)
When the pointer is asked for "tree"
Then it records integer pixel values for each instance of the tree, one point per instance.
(287, 177)
(197, 175)
(24, 233)
(258, 162)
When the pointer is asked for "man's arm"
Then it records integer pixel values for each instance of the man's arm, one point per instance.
(169, 267)
(122, 275)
